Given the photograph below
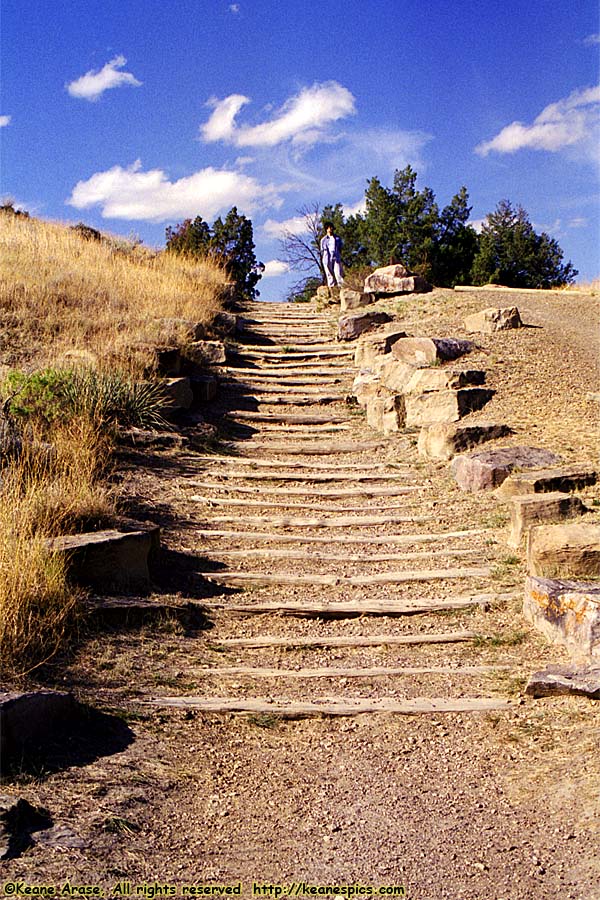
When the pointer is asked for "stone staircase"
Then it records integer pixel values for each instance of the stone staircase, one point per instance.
(339, 584)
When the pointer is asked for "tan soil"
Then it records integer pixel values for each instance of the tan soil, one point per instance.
(482, 806)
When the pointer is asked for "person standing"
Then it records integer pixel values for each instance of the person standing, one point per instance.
(331, 256)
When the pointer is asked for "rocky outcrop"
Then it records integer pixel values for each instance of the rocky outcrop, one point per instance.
(205, 353)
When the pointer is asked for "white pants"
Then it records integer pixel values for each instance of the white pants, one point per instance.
(335, 274)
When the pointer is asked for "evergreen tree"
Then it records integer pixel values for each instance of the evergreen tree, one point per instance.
(456, 243)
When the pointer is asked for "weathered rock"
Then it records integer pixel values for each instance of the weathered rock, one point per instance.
(487, 469)
(439, 379)
(564, 551)
(372, 346)
(205, 353)
(567, 613)
(537, 481)
(443, 441)
(183, 329)
(178, 393)
(555, 681)
(351, 327)
(529, 510)
(19, 820)
(395, 280)
(225, 322)
(204, 388)
(353, 299)
(110, 560)
(489, 320)
(422, 351)
(27, 720)
(366, 385)
(436, 407)
(394, 374)
(386, 413)
(323, 293)
(165, 361)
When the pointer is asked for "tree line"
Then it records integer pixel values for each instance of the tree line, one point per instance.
(401, 223)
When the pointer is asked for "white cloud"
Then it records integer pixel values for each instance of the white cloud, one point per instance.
(234, 8)
(570, 122)
(591, 40)
(477, 224)
(295, 225)
(149, 196)
(356, 209)
(301, 119)
(4, 121)
(92, 85)
(578, 222)
(275, 267)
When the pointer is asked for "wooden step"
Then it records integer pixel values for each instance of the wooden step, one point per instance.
(288, 709)
(242, 371)
(290, 418)
(269, 463)
(282, 400)
(342, 671)
(283, 538)
(364, 640)
(348, 609)
(340, 557)
(289, 474)
(323, 449)
(268, 504)
(363, 491)
(260, 579)
(314, 522)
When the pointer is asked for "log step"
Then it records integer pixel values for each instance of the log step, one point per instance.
(363, 491)
(305, 522)
(288, 709)
(339, 557)
(280, 537)
(324, 449)
(344, 672)
(287, 475)
(350, 610)
(291, 418)
(365, 640)
(260, 461)
(266, 504)
(260, 579)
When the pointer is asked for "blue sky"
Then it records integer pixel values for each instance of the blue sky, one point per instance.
(132, 115)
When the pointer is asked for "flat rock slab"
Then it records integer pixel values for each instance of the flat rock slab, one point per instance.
(535, 509)
(438, 407)
(29, 719)
(487, 469)
(110, 560)
(423, 351)
(555, 681)
(567, 613)
(569, 550)
(443, 441)
(437, 379)
(493, 319)
(351, 327)
(564, 479)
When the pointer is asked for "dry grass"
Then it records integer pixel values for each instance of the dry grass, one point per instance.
(62, 296)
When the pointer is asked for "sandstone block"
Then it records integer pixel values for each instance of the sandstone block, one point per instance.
(537, 481)
(225, 322)
(436, 407)
(205, 353)
(395, 280)
(530, 510)
(386, 413)
(366, 385)
(489, 320)
(438, 379)
(567, 613)
(487, 469)
(353, 299)
(422, 351)
(178, 393)
(28, 719)
(352, 326)
(555, 681)
(372, 346)
(443, 441)
(394, 374)
(564, 551)
(109, 560)
(204, 388)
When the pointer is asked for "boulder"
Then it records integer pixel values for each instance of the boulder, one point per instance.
(351, 327)
(353, 299)
(366, 385)
(395, 279)
(422, 351)
(567, 613)
(555, 681)
(386, 413)
(534, 509)
(438, 379)
(178, 393)
(225, 323)
(29, 719)
(487, 321)
(564, 551)
(443, 441)
(372, 346)
(205, 353)
(537, 481)
(394, 374)
(487, 469)
(436, 407)
(204, 388)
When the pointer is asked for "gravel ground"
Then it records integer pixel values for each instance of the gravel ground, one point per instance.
(501, 805)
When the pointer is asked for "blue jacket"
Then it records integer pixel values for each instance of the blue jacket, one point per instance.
(328, 257)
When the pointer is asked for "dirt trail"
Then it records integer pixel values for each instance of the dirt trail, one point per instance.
(377, 651)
